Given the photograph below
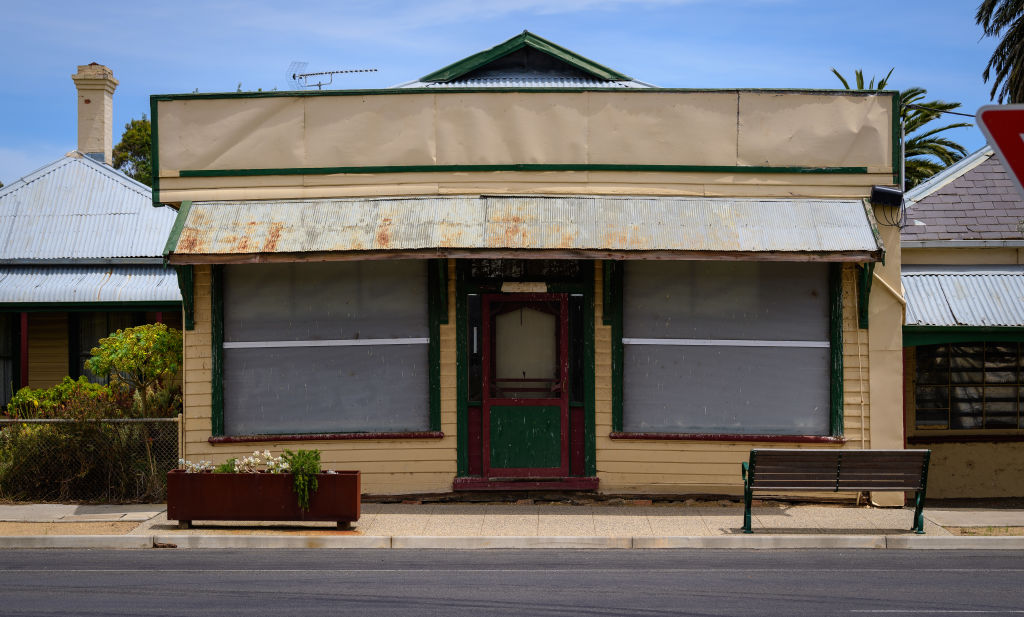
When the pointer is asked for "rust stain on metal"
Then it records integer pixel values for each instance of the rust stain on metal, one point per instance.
(273, 237)
(384, 233)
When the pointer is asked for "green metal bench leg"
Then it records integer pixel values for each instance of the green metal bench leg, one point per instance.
(748, 496)
(918, 512)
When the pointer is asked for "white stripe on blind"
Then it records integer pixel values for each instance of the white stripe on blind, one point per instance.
(366, 342)
(700, 342)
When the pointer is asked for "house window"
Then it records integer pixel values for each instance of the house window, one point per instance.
(734, 348)
(86, 330)
(8, 356)
(969, 386)
(328, 347)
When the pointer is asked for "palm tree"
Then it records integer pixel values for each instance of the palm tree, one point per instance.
(1006, 66)
(925, 152)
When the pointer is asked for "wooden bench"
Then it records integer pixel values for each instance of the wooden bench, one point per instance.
(836, 470)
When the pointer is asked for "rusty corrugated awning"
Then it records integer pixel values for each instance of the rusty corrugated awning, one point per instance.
(593, 227)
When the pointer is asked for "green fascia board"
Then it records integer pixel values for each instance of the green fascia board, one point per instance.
(196, 96)
(391, 169)
(526, 39)
(75, 307)
(179, 224)
(938, 335)
(154, 152)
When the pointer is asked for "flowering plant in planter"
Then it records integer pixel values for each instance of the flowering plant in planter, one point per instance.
(263, 487)
(304, 465)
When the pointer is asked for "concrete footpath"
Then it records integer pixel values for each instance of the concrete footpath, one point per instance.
(617, 523)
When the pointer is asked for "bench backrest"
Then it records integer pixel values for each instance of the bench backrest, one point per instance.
(839, 470)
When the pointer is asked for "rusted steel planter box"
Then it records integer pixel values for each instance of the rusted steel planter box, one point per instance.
(259, 497)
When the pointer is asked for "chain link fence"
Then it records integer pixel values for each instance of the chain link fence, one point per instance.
(113, 461)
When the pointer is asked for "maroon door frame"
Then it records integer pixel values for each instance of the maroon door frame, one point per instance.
(562, 347)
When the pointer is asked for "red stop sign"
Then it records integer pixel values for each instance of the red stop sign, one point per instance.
(1003, 126)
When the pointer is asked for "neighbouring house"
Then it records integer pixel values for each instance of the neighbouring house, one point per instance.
(80, 255)
(528, 270)
(963, 255)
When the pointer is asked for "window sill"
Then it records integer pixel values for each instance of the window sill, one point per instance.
(727, 437)
(325, 437)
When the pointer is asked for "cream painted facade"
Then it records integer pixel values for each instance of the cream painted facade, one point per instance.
(719, 145)
(396, 466)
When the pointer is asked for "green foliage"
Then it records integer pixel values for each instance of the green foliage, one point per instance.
(304, 465)
(227, 466)
(1004, 18)
(86, 460)
(74, 399)
(144, 361)
(133, 154)
(926, 152)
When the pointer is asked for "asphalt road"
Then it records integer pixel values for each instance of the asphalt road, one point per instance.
(537, 583)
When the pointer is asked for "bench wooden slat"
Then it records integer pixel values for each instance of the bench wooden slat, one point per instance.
(837, 470)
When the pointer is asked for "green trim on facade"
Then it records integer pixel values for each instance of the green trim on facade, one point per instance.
(461, 378)
(467, 65)
(897, 141)
(938, 335)
(440, 288)
(524, 90)
(186, 284)
(835, 300)
(437, 306)
(77, 307)
(613, 317)
(217, 343)
(865, 274)
(179, 225)
(154, 151)
(398, 169)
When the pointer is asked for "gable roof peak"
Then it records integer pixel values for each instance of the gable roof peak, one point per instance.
(525, 40)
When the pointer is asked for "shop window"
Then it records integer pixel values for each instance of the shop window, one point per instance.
(332, 347)
(732, 348)
(969, 386)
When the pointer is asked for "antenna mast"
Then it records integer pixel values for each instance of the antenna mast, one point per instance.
(299, 79)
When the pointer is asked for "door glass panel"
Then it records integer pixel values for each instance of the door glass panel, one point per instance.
(525, 354)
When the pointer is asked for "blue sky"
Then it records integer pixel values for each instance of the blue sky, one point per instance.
(214, 46)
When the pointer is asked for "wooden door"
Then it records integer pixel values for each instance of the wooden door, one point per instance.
(525, 386)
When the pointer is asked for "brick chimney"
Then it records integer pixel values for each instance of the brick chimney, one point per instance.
(95, 84)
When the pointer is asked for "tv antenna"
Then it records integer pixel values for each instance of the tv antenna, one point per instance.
(298, 79)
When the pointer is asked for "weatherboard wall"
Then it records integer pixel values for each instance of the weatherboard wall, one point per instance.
(388, 466)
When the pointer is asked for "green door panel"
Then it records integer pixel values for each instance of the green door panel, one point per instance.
(526, 437)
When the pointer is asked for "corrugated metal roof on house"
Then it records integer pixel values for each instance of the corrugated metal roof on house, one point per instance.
(613, 224)
(88, 284)
(965, 296)
(76, 208)
(527, 81)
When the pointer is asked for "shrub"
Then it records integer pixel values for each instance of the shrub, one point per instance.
(72, 399)
(144, 361)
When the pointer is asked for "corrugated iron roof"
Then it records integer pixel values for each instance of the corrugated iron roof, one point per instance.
(964, 296)
(613, 224)
(88, 284)
(76, 208)
(527, 81)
